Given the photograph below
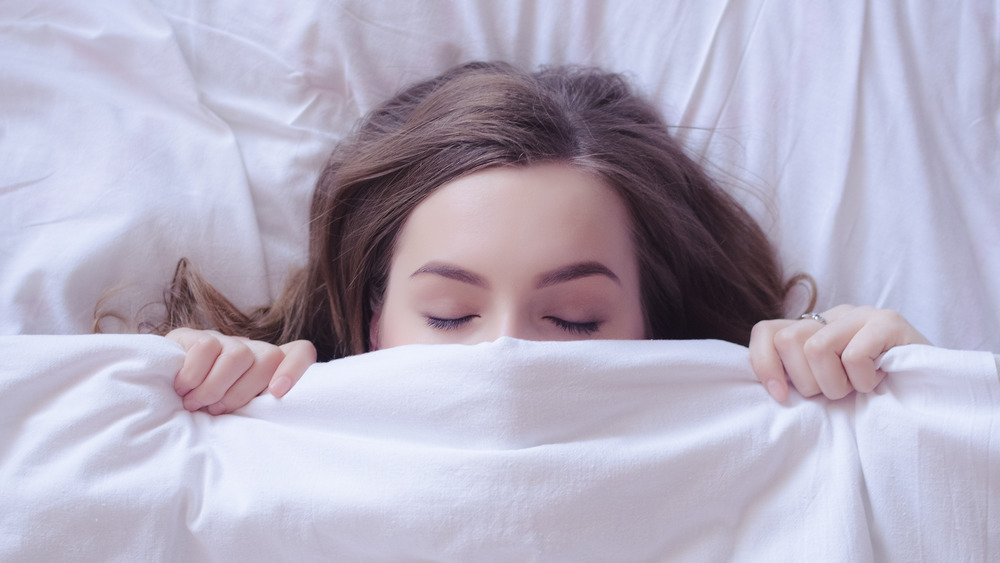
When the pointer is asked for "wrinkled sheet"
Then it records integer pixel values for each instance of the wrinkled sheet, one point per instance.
(862, 135)
(505, 451)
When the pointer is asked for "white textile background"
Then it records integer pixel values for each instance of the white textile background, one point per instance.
(863, 135)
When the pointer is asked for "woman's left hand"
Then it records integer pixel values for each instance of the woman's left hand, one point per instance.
(835, 358)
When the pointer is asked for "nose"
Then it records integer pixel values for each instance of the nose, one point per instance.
(513, 325)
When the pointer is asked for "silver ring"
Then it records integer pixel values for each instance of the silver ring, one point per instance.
(814, 316)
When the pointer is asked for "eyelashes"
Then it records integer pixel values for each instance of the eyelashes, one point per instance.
(448, 324)
(581, 329)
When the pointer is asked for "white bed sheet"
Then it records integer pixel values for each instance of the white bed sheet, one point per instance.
(506, 451)
(863, 135)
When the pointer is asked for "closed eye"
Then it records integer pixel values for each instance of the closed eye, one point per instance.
(448, 324)
(585, 329)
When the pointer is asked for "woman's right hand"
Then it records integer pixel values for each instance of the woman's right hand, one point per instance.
(223, 373)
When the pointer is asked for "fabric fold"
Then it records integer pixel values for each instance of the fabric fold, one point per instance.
(507, 450)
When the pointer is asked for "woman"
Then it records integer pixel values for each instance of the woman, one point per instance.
(490, 202)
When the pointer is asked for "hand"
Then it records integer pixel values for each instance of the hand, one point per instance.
(834, 359)
(223, 373)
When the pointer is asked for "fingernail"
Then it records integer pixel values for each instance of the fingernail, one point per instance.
(217, 408)
(192, 405)
(183, 391)
(280, 386)
(775, 390)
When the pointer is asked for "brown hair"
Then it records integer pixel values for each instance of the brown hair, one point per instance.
(707, 269)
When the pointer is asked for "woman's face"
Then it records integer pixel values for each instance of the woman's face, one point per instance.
(537, 253)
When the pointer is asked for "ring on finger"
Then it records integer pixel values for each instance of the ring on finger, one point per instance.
(814, 316)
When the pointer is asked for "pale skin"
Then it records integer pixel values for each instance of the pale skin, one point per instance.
(536, 253)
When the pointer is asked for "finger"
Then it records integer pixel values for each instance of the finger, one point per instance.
(201, 350)
(859, 363)
(822, 352)
(858, 338)
(830, 315)
(299, 355)
(234, 360)
(790, 342)
(824, 349)
(254, 380)
(884, 329)
(765, 360)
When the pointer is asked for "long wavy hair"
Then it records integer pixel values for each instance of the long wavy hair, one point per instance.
(707, 269)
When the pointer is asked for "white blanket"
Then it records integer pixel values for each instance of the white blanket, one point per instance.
(506, 451)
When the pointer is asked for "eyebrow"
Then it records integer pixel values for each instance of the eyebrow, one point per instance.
(576, 271)
(560, 275)
(451, 273)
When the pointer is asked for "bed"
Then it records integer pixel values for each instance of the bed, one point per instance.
(863, 136)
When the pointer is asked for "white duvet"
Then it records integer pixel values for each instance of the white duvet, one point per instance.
(506, 451)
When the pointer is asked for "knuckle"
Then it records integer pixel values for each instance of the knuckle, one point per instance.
(785, 340)
(272, 355)
(815, 348)
(763, 327)
(854, 360)
(265, 352)
(241, 355)
(890, 317)
(206, 343)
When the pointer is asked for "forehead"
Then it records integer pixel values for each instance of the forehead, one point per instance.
(519, 215)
